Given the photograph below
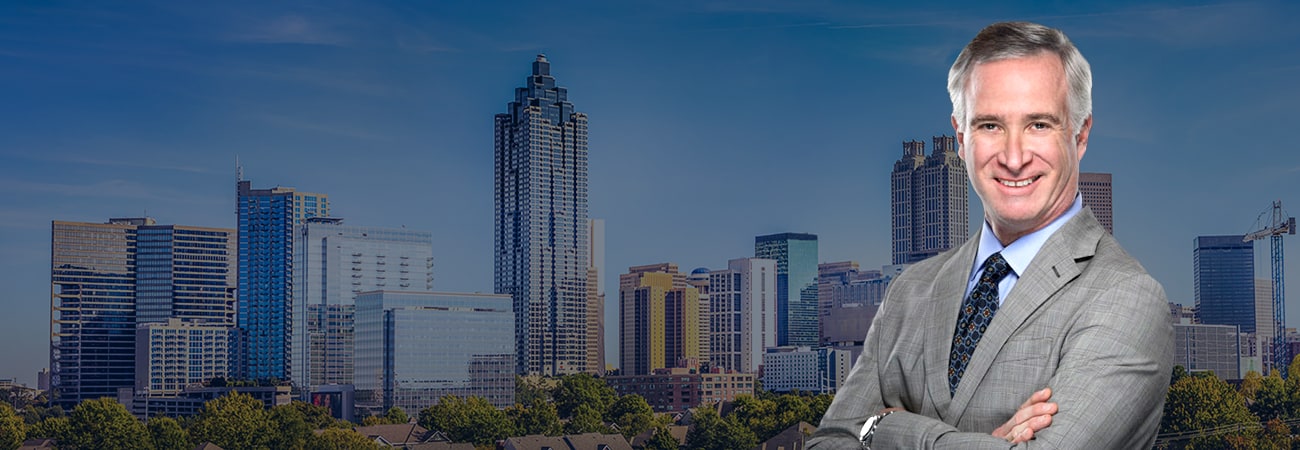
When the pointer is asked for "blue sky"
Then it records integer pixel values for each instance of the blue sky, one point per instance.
(710, 122)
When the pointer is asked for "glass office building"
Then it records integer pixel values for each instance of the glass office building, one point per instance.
(796, 285)
(413, 348)
(1224, 281)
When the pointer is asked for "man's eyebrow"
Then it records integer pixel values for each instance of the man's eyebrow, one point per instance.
(1044, 117)
(985, 118)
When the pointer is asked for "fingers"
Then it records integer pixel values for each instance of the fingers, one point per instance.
(1038, 397)
(1025, 430)
(1028, 412)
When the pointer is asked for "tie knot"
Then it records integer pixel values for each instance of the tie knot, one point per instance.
(995, 268)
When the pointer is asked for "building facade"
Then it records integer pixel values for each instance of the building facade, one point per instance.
(796, 285)
(819, 370)
(1224, 281)
(596, 297)
(1213, 348)
(1265, 328)
(333, 262)
(682, 388)
(853, 305)
(541, 227)
(742, 314)
(1095, 188)
(413, 348)
(107, 279)
(660, 318)
(266, 219)
(929, 205)
(176, 354)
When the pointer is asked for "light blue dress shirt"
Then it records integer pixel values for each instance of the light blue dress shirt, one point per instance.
(1019, 254)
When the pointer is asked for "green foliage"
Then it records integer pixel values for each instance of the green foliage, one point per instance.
(711, 432)
(531, 390)
(36, 413)
(233, 422)
(467, 420)
(395, 416)
(582, 389)
(1277, 436)
(1197, 403)
(540, 417)
(662, 439)
(1178, 373)
(632, 414)
(586, 419)
(12, 429)
(167, 434)
(104, 423)
(1251, 384)
(50, 428)
(290, 426)
(340, 439)
(817, 406)
(1271, 399)
(318, 417)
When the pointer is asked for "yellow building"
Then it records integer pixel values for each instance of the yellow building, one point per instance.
(660, 320)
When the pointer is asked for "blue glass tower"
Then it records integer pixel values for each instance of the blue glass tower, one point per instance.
(796, 285)
(1224, 278)
(266, 224)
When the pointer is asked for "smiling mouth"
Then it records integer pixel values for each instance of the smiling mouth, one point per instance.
(1019, 183)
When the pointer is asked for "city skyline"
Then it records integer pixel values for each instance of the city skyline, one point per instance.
(746, 119)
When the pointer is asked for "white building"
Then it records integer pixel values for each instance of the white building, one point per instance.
(805, 369)
(174, 354)
(742, 317)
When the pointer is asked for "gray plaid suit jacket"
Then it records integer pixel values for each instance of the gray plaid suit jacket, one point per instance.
(1084, 319)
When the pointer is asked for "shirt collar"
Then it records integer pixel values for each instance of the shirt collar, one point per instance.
(1021, 252)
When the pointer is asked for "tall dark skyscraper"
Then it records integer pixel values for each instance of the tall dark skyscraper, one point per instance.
(1224, 281)
(929, 207)
(540, 252)
(796, 285)
(266, 219)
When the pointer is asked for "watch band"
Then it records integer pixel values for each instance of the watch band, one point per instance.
(869, 429)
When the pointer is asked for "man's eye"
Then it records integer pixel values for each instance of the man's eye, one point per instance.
(1040, 125)
(988, 126)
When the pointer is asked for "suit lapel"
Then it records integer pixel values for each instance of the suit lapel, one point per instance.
(949, 288)
(1049, 271)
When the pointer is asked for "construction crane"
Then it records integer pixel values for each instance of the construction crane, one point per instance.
(1274, 232)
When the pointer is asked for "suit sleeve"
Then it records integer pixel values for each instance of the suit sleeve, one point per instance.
(1110, 384)
(860, 397)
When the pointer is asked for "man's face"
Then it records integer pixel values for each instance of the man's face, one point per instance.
(1020, 151)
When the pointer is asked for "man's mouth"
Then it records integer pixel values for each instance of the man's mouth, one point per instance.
(1018, 183)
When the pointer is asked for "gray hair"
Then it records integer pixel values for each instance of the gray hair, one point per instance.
(1007, 40)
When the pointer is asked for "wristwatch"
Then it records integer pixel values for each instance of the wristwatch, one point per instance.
(869, 429)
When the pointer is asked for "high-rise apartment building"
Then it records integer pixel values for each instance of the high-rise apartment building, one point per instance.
(929, 209)
(413, 348)
(596, 297)
(1096, 191)
(109, 278)
(175, 354)
(266, 221)
(742, 314)
(796, 285)
(541, 233)
(334, 262)
(1265, 328)
(1224, 281)
(659, 320)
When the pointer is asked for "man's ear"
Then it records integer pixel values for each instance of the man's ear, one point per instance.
(961, 137)
(1081, 139)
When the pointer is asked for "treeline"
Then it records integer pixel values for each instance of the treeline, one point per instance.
(573, 404)
(1205, 412)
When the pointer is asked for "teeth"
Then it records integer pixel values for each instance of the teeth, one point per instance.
(1021, 183)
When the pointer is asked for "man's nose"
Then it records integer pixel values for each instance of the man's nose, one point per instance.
(1014, 156)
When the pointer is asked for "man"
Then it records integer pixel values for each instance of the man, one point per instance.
(1040, 332)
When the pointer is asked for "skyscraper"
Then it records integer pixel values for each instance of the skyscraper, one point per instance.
(109, 278)
(596, 297)
(929, 209)
(1096, 191)
(659, 320)
(796, 285)
(1265, 328)
(334, 262)
(541, 233)
(1224, 281)
(742, 314)
(266, 219)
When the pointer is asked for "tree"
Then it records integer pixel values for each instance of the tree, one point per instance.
(291, 428)
(1177, 374)
(12, 429)
(711, 432)
(540, 417)
(233, 422)
(50, 428)
(318, 417)
(582, 389)
(1271, 399)
(167, 434)
(1277, 436)
(817, 408)
(632, 415)
(340, 439)
(530, 390)
(1251, 384)
(467, 420)
(1206, 404)
(662, 439)
(104, 423)
(758, 415)
(395, 416)
(586, 419)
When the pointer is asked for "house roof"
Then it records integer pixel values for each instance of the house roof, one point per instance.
(398, 434)
(589, 441)
(791, 438)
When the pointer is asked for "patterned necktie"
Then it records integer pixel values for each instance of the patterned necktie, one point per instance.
(976, 313)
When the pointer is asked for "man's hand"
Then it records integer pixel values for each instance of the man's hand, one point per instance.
(1034, 415)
